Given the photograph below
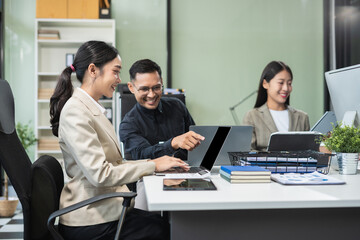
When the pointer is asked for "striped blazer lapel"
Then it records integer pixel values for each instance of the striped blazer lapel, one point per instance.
(108, 127)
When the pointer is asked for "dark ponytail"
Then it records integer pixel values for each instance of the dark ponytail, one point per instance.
(96, 52)
(62, 93)
(269, 73)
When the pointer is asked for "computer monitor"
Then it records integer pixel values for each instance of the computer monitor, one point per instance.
(344, 88)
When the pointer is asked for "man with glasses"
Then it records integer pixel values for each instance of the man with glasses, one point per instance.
(155, 126)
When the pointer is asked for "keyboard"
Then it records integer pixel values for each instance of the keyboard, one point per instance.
(194, 170)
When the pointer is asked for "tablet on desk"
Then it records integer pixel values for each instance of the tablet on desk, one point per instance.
(190, 184)
(294, 141)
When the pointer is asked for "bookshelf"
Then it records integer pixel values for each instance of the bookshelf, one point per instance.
(50, 60)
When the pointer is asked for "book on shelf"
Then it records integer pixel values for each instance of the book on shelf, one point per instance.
(48, 144)
(174, 91)
(48, 34)
(244, 177)
(246, 170)
(45, 93)
(246, 180)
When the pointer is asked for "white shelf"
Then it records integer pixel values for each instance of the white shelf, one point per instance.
(48, 74)
(43, 100)
(68, 22)
(44, 127)
(49, 151)
(62, 43)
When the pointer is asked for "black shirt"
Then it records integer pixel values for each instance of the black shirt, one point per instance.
(147, 133)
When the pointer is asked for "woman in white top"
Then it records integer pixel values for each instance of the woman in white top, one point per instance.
(272, 112)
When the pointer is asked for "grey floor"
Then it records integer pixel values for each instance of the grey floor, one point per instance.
(12, 228)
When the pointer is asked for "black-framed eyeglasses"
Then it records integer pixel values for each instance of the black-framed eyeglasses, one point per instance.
(145, 90)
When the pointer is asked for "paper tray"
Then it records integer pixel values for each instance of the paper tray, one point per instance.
(284, 162)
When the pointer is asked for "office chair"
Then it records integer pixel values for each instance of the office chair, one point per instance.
(38, 186)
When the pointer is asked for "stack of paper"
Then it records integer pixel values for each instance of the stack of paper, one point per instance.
(307, 178)
(245, 174)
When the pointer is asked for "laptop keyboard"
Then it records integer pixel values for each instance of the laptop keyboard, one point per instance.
(195, 170)
(178, 170)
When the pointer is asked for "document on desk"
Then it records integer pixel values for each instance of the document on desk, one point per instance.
(314, 178)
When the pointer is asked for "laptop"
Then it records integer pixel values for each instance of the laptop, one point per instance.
(294, 141)
(238, 139)
(325, 123)
(213, 146)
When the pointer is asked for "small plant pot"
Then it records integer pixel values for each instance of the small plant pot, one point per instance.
(8, 207)
(348, 163)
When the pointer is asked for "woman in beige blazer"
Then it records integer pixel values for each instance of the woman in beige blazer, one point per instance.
(272, 112)
(91, 151)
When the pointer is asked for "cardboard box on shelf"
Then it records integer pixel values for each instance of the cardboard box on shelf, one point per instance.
(88, 9)
(51, 8)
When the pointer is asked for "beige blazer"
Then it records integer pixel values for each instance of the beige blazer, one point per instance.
(263, 124)
(93, 162)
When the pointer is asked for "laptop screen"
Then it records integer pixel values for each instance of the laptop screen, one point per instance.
(214, 148)
(238, 139)
(325, 123)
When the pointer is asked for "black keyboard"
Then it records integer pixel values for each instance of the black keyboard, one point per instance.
(195, 169)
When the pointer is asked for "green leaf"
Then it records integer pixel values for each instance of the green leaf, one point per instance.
(345, 139)
(26, 135)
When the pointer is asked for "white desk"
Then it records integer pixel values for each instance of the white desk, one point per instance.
(260, 211)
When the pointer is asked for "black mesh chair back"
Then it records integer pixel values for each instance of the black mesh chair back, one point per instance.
(128, 101)
(181, 97)
(13, 157)
(35, 185)
(47, 184)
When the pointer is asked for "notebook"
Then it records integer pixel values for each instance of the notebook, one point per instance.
(294, 141)
(207, 161)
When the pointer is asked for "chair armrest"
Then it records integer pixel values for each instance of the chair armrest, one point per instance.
(50, 223)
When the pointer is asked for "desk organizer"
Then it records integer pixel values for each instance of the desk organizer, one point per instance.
(284, 162)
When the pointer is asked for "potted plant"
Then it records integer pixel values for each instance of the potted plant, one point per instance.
(27, 138)
(345, 141)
